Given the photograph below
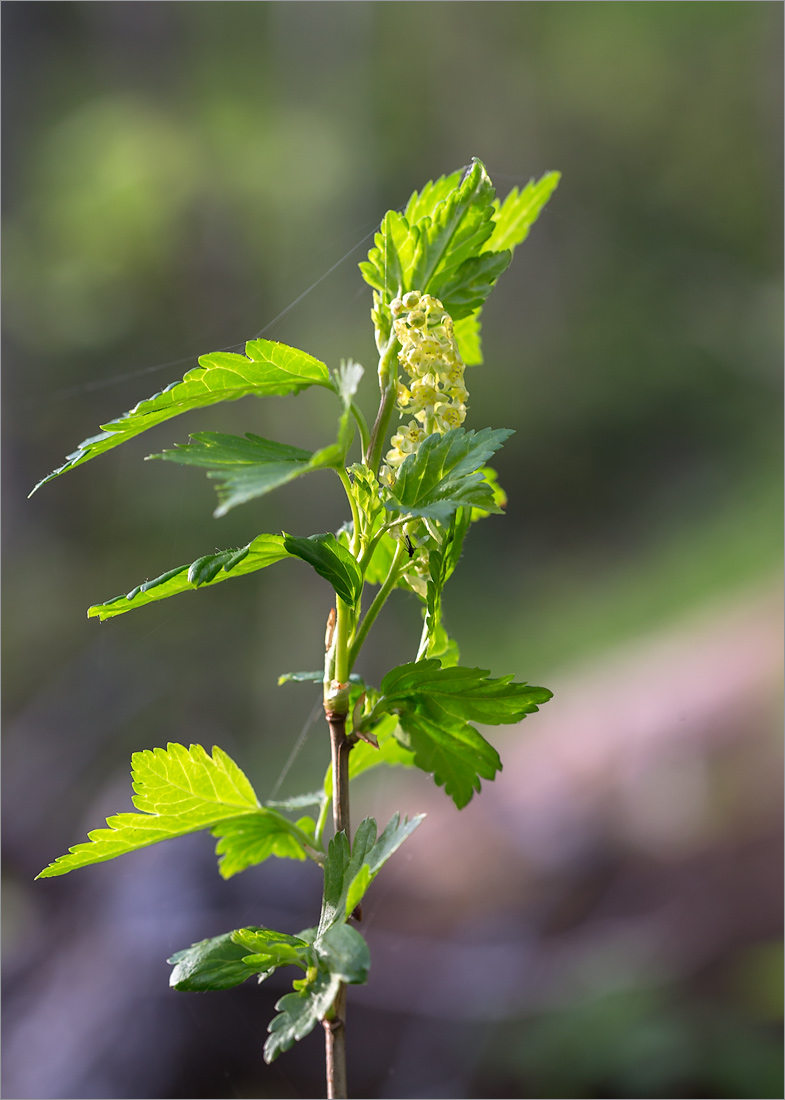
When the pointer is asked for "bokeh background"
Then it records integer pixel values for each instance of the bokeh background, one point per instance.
(604, 921)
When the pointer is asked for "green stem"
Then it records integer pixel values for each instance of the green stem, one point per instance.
(376, 606)
(388, 376)
(342, 474)
(365, 435)
(423, 647)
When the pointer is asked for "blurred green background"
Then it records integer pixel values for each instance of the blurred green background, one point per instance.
(179, 177)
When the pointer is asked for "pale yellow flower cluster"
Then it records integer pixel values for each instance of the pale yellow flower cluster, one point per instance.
(436, 395)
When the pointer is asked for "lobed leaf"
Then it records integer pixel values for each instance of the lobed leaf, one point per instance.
(300, 1012)
(266, 369)
(455, 753)
(208, 570)
(434, 706)
(520, 210)
(179, 791)
(442, 475)
(348, 871)
(461, 223)
(250, 839)
(467, 288)
(442, 561)
(211, 964)
(467, 336)
(464, 693)
(389, 264)
(423, 204)
(268, 950)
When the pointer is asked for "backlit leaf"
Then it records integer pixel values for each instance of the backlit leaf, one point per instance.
(519, 211)
(265, 370)
(252, 838)
(179, 791)
(443, 475)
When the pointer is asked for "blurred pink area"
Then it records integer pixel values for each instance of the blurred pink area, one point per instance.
(646, 793)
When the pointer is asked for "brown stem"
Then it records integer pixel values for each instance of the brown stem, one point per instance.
(341, 747)
(335, 1026)
(335, 1048)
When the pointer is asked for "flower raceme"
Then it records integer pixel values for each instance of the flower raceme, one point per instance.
(435, 396)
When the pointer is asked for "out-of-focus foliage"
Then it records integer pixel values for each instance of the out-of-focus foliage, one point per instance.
(164, 165)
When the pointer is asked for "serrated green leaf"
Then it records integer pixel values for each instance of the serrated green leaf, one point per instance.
(466, 288)
(266, 369)
(179, 791)
(442, 561)
(246, 467)
(443, 476)
(463, 693)
(460, 226)
(434, 706)
(519, 211)
(210, 569)
(349, 872)
(423, 204)
(389, 262)
(300, 1013)
(499, 495)
(345, 953)
(252, 838)
(467, 336)
(331, 560)
(455, 753)
(267, 950)
(211, 964)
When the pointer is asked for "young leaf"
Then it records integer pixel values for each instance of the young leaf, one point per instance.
(443, 476)
(423, 204)
(331, 560)
(390, 261)
(345, 953)
(265, 370)
(349, 872)
(179, 791)
(212, 964)
(300, 1012)
(253, 837)
(519, 211)
(467, 336)
(210, 569)
(268, 950)
(463, 291)
(461, 224)
(441, 563)
(246, 467)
